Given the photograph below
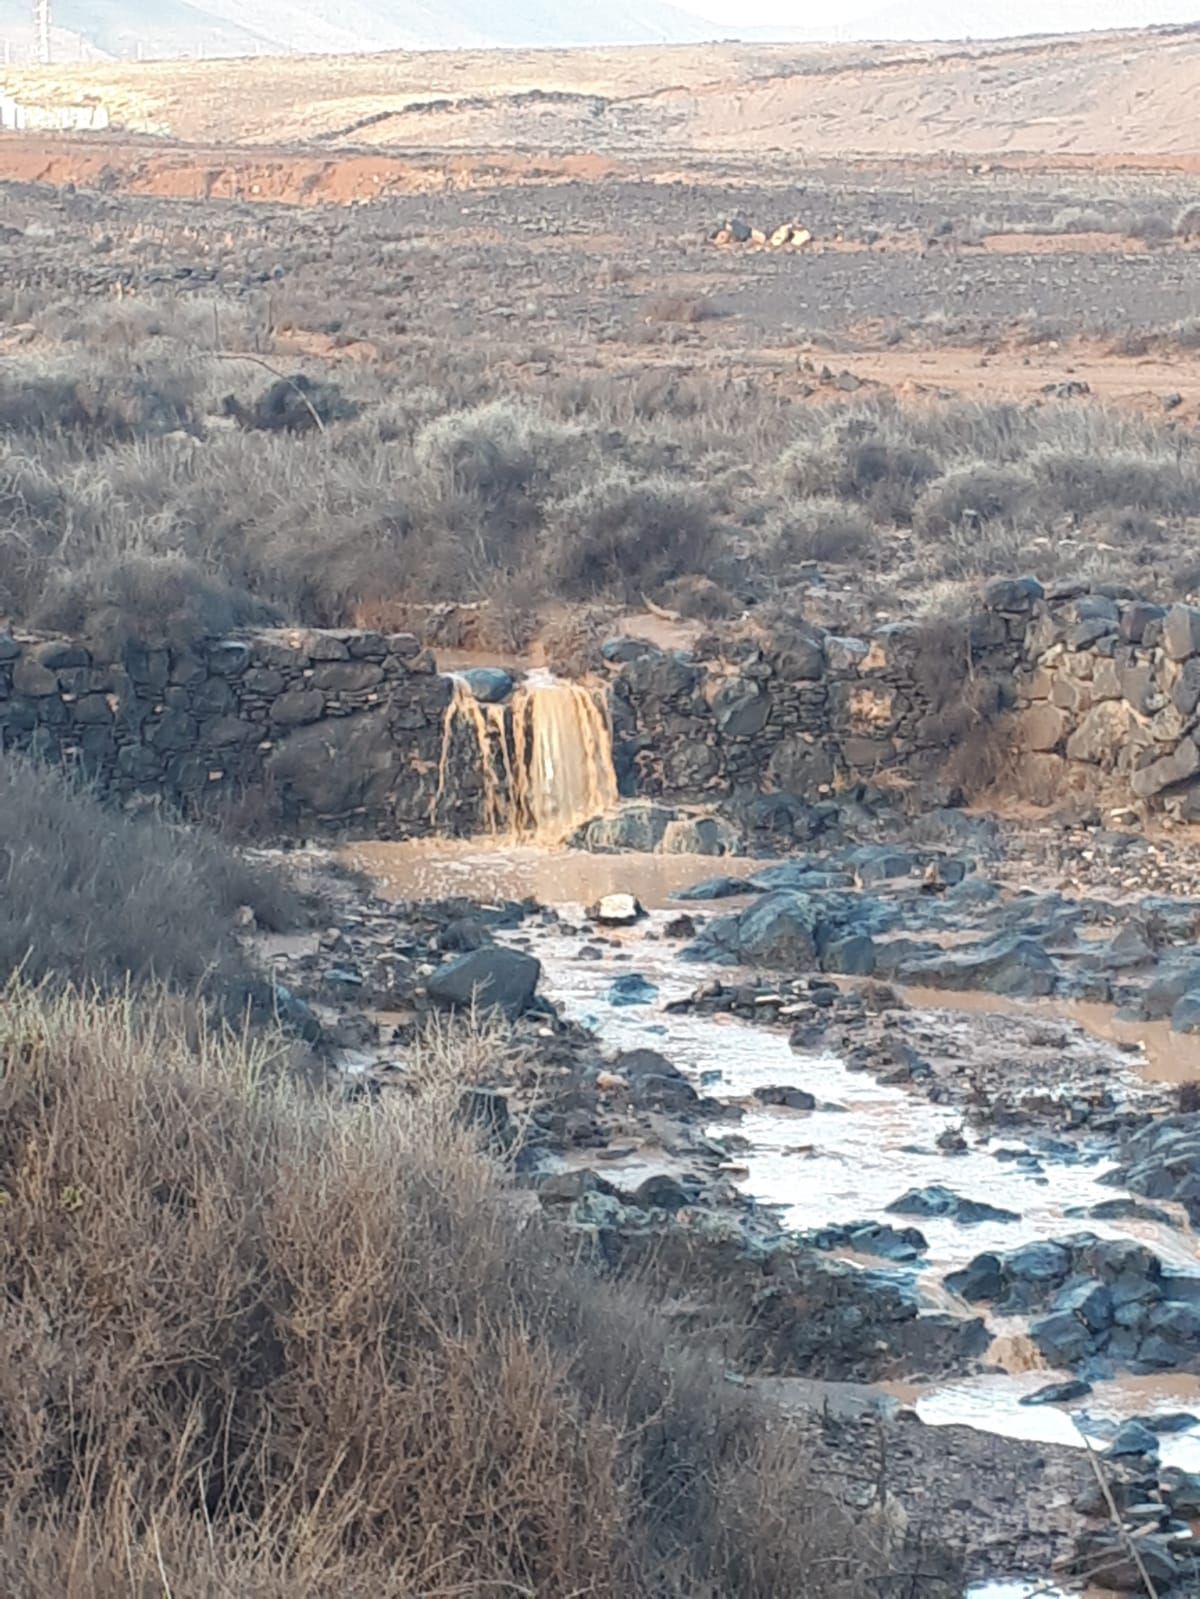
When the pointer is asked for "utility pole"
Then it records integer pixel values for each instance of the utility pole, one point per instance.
(41, 22)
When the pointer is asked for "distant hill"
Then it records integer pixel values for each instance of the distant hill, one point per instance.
(87, 29)
(1119, 95)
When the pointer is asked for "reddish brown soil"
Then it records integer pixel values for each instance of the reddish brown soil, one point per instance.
(190, 173)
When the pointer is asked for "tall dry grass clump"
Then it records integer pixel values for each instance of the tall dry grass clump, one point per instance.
(260, 1342)
(99, 897)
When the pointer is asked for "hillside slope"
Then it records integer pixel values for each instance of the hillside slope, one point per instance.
(1109, 95)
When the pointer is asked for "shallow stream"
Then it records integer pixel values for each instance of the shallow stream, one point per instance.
(865, 1144)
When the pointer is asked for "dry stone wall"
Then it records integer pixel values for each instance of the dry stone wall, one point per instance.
(820, 713)
(320, 730)
(1095, 693)
(1108, 702)
(1088, 693)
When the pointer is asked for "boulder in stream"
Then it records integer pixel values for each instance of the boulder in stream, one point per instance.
(491, 685)
(938, 1201)
(616, 910)
(492, 978)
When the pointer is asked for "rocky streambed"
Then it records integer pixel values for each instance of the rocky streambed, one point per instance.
(951, 1230)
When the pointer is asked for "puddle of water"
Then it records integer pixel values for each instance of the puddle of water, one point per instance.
(440, 869)
(1166, 1057)
(993, 1404)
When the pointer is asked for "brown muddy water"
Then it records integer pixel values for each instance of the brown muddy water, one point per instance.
(865, 1144)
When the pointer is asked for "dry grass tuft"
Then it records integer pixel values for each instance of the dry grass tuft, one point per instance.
(93, 896)
(261, 1342)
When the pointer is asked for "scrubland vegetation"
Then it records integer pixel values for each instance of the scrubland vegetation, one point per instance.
(101, 899)
(262, 1342)
(130, 498)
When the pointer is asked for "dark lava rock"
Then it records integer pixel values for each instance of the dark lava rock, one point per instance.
(1181, 1491)
(1104, 1557)
(660, 1192)
(851, 956)
(1162, 1161)
(938, 1201)
(489, 684)
(631, 988)
(1168, 1422)
(779, 931)
(565, 1187)
(654, 1082)
(1011, 964)
(295, 404)
(462, 934)
(901, 1244)
(1109, 1303)
(491, 979)
(716, 888)
(791, 1098)
(639, 827)
(1014, 594)
(1058, 1393)
(620, 651)
(1123, 1210)
(1132, 1440)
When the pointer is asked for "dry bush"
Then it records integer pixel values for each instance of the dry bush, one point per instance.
(860, 459)
(1081, 219)
(1187, 222)
(450, 485)
(263, 1342)
(686, 309)
(963, 706)
(89, 895)
(1152, 227)
(818, 529)
(147, 600)
(1083, 483)
(571, 639)
(108, 401)
(969, 497)
(625, 537)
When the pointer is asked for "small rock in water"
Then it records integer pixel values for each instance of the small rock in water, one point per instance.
(938, 1201)
(489, 684)
(631, 988)
(1132, 1439)
(1169, 1421)
(1058, 1393)
(491, 978)
(616, 910)
(789, 1098)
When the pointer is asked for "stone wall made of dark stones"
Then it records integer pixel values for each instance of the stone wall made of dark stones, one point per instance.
(1109, 701)
(817, 714)
(337, 730)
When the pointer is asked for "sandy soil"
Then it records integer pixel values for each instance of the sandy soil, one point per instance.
(1111, 94)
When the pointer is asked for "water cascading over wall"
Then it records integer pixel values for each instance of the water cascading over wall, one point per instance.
(544, 758)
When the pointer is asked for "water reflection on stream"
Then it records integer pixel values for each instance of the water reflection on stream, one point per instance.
(865, 1144)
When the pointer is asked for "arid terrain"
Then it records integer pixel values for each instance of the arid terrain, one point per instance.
(599, 763)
